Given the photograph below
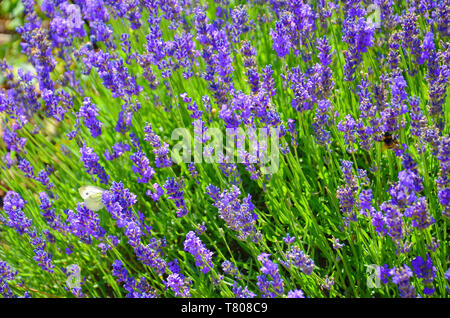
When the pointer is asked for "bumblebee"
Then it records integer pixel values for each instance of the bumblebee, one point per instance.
(388, 141)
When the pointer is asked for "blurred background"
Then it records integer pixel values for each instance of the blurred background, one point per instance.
(11, 16)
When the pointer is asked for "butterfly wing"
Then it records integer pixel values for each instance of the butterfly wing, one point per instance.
(92, 197)
(94, 202)
(87, 191)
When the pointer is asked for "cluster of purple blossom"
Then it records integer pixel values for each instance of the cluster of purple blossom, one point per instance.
(347, 194)
(270, 283)
(238, 216)
(89, 112)
(119, 203)
(135, 289)
(43, 176)
(7, 274)
(82, 223)
(182, 41)
(401, 276)
(203, 257)
(160, 149)
(15, 218)
(405, 202)
(297, 259)
(174, 189)
(92, 165)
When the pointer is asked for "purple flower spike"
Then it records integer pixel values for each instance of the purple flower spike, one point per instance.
(203, 257)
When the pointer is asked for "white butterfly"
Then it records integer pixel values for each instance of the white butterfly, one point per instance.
(92, 197)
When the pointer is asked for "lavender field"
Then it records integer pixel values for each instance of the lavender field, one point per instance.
(222, 149)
